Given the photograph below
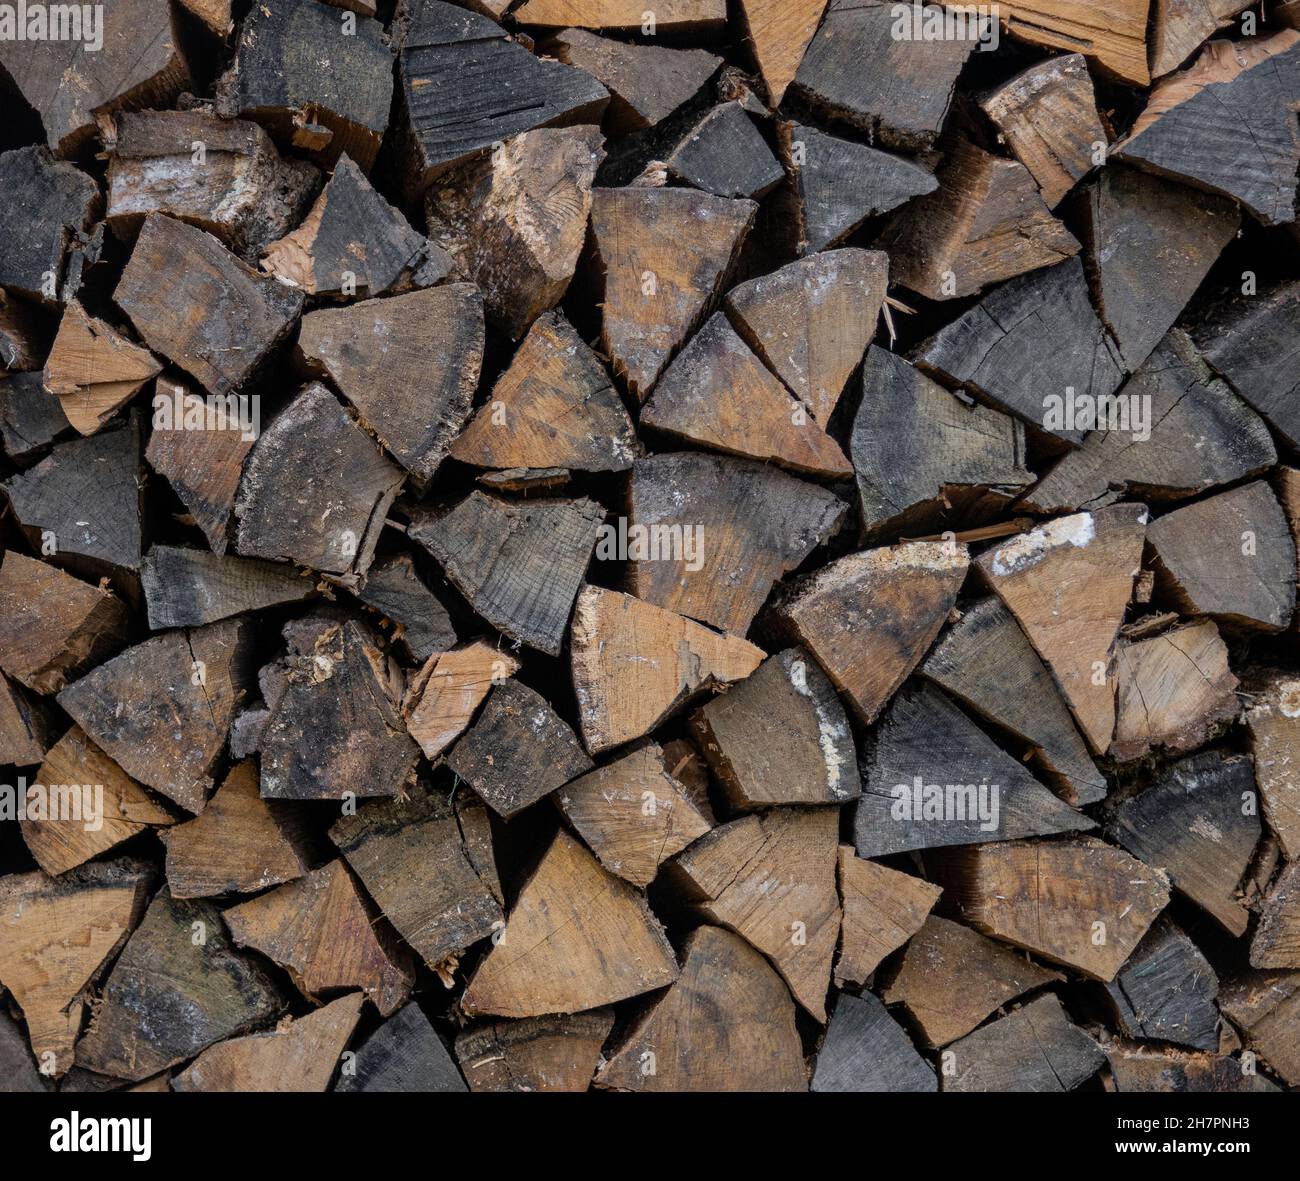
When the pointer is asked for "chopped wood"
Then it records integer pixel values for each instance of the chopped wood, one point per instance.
(404, 1055)
(725, 154)
(1180, 27)
(779, 32)
(445, 694)
(191, 587)
(24, 335)
(1273, 723)
(1265, 1006)
(1112, 33)
(1136, 1068)
(27, 726)
(677, 15)
(558, 1053)
(1277, 938)
(883, 909)
(865, 1049)
(422, 628)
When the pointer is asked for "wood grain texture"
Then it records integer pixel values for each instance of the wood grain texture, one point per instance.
(548, 1054)
(1272, 720)
(190, 587)
(883, 910)
(404, 1055)
(444, 695)
(779, 32)
(1166, 991)
(867, 1050)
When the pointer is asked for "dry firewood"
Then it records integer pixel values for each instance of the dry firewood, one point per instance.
(239, 844)
(577, 938)
(951, 978)
(519, 564)
(139, 64)
(1036, 1048)
(218, 319)
(519, 750)
(191, 587)
(1273, 722)
(1191, 128)
(839, 183)
(778, 33)
(883, 909)
(1172, 690)
(405, 1054)
(25, 335)
(1047, 116)
(1265, 1007)
(986, 662)
(300, 1054)
(683, 761)
(55, 935)
(444, 695)
(554, 407)
(725, 154)
(427, 861)
(1112, 33)
(1277, 939)
(1166, 991)
(215, 14)
(1180, 27)
(537, 1054)
(422, 628)
(513, 220)
(632, 813)
(49, 209)
(727, 1024)
(646, 83)
(179, 961)
(995, 350)
(352, 242)
(465, 86)
(114, 808)
(741, 526)
(18, 1070)
(1231, 556)
(317, 79)
(986, 222)
(865, 1049)
(1036, 571)
(665, 254)
(1198, 822)
(810, 321)
(322, 931)
(523, 480)
(27, 726)
(869, 618)
(409, 365)
(1077, 901)
(677, 15)
(780, 737)
(162, 709)
(290, 508)
(54, 627)
(635, 664)
(1135, 1068)
(223, 175)
(717, 393)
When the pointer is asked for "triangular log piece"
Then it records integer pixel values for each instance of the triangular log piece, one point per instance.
(405, 1055)
(839, 183)
(514, 220)
(409, 365)
(191, 587)
(554, 407)
(239, 844)
(300, 1054)
(1190, 130)
(162, 710)
(179, 960)
(811, 320)
(718, 394)
(1273, 722)
(1114, 34)
(420, 623)
(633, 814)
(536, 1054)
(924, 458)
(427, 862)
(1277, 939)
(1265, 1007)
(985, 661)
(741, 527)
(951, 978)
(1142, 1069)
(1091, 559)
(1048, 117)
(292, 508)
(986, 222)
(444, 695)
(1049, 897)
(55, 935)
(1166, 991)
(883, 909)
(518, 563)
(727, 1024)
(771, 878)
(322, 931)
(870, 617)
(31, 418)
(995, 349)
(865, 1049)
(1231, 556)
(726, 155)
(577, 938)
(780, 737)
(1036, 1048)
(634, 664)
(27, 726)
(695, 16)
(218, 319)
(1173, 690)
(518, 751)
(1179, 29)
(778, 33)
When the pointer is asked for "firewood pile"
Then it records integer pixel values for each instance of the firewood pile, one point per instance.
(658, 546)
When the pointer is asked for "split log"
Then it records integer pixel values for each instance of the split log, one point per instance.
(1179, 28)
(523, 480)
(1265, 1006)
(537, 1054)
(1198, 823)
(25, 335)
(518, 564)
(20, 1074)
(1113, 33)
(727, 1024)
(741, 525)
(869, 618)
(404, 1055)
(191, 587)
(695, 16)
(1273, 722)
(635, 664)
(27, 726)
(50, 207)
(883, 909)
(215, 14)
(421, 625)
(1139, 1069)
(445, 694)
(950, 978)
(865, 1049)
(724, 154)
(577, 938)
(1166, 991)
(683, 761)
(778, 32)
(409, 365)
(1277, 939)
